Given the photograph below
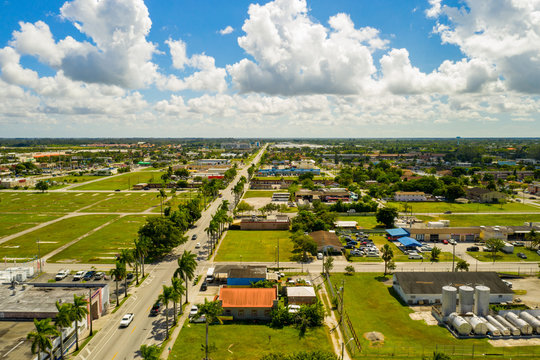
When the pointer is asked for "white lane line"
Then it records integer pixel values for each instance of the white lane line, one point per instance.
(13, 348)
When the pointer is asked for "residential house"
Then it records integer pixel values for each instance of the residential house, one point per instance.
(299, 295)
(410, 196)
(248, 303)
(482, 195)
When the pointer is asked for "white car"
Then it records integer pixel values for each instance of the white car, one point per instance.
(79, 275)
(452, 242)
(508, 283)
(127, 319)
(62, 274)
(293, 309)
(198, 246)
(194, 310)
(415, 255)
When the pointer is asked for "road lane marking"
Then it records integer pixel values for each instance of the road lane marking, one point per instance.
(133, 329)
(147, 310)
(115, 355)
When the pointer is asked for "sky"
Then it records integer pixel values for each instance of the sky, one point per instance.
(282, 68)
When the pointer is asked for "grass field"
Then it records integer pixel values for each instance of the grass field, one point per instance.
(240, 342)
(64, 181)
(481, 219)
(101, 246)
(123, 182)
(33, 202)
(13, 223)
(126, 202)
(259, 193)
(371, 307)
(248, 245)
(51, 237)
(179, 198)
(500, 256)
(366, 222)
(441, 207)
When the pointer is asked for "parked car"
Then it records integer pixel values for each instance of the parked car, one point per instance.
(62, 274)
(89, 275)
(193, 311)
(293, 309)
(518, 243)
(319, 256)
(426, 248)
(129, 276)
(356, 252)
(521, 255)
(99, 275)
(127, 319)
(79, 275)
(507, 283)
(204, 286)
(352, 242)
(198, 245)
(372, 254)
(415, 255)
(349, 246)
(538, 252)
(194, 237)
(473, 248)
(155, 309)
(445, 241)
(452, 242)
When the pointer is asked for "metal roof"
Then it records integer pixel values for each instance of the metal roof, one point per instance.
(408, 241)
(397, 232)
(247, 297)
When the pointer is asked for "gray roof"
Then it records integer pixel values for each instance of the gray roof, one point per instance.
(432, 282)
(249, 272)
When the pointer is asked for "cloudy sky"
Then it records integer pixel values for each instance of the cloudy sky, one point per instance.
(282, 68)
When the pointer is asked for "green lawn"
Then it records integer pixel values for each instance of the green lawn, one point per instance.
(35, 202)
(441, 207)
(101, 246)
(64, 181)
(124, 181)
(240, 342)
(500, 256)
(179, 198)
(259, 193)
(126, 202)
(246, 245)
(51, 237)
(371, 307)
(487, 220)
(13, 223)
(365, 222)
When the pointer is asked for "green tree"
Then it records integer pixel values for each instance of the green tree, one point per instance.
(349, 270)
(387, 255)
(187, 264)
(118, 272)
(494, 245)
(386, 216)
(328, 264)
(42, 186)
(166, 297)
(163, 236)
(62, 320)
(141, 251)
(41, 337)
(150, 352)
(303, 243)
(161, 195)
(244, 206)
(79, 311)
(462, 265)
(533, 237)
(125, 258)
(434, 254)
(178, 291)
(454, 191)
(211, 311)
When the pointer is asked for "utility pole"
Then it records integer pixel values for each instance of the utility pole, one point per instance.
(453, 256)
(90, 313)
(342, 296)
(39, 256)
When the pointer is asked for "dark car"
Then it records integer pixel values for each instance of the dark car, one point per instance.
(352, 242)
(448, 212)
(155, 309)
(117, 190)
(521, 255)
(473, 248)
(194, 237)
(89, 275)
(129, 276)
(349, 246)
(204, 286)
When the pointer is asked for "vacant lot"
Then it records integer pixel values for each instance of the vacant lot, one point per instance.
(441, 207)
(34, 202)
(371, 306)
(247, 245)
(63, 181)
(177, 199)
(124, 181)
(126, 202)
(482, 219)
(102, 246)
(259, 193)
(51, 237)
(487, 256)
(239, 342)
(13, 223)
(365, 222)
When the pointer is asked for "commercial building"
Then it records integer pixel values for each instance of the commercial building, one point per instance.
(482, 195)
(10, 183)
(299, 295)
(248, 303)
(246, 275)
(324, 195)
(534, 188)
(287, 171)
(277, 222)
(327, 242)
(410, 196)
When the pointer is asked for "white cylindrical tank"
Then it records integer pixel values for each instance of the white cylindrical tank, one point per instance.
(466, 299)
(513, 330)
(534, 322)
(462, 327)
(521, 324)
(504, 330)
(481, 300)
(478, 326)
(492, 329)
(449, 296)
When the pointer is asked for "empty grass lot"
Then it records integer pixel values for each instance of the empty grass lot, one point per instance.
(104, 244)
(245, 245)
(500, 256)
(179, 198)
(371, 307)
(259, 193)
(482, 219)
(441, 207)
(240, 342)
(365, 222)
(126, 202)
(13, 223)
(34, 202)
(123, 182)
(51, 237)
(63, 181)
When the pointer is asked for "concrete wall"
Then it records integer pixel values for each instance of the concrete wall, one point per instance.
(248, 313)
(264, 225)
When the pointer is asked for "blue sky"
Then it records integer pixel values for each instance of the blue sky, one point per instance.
(284, 68)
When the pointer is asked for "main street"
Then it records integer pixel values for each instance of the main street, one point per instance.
(112, 342)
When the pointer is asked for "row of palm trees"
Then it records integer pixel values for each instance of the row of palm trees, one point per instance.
(217, 224)
(44, 333)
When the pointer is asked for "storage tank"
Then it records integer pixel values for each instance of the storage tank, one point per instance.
(449, 296)
(462, 327)
(466, 299)
(481, 300)
(503, 329)
(492, 329)
(521, 324)
(513, 330)
(478, 326)
(534, 322)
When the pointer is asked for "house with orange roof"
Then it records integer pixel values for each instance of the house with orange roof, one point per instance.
(248, 303)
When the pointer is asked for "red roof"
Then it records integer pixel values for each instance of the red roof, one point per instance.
(247, 297)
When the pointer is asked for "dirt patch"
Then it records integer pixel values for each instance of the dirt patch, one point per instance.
(514, 342)
(424, 315)
(532, 287)
(258, 203)
(375, 338)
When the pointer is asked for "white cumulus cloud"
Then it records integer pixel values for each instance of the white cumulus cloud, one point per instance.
(227, 30)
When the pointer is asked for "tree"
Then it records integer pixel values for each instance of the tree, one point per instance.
(178, 291)
(328, 264)
(462, 265)
(150, 352)
(387, 255)
(41, 337)
(292, 189)
(434, 254)
(163, 235)
(533, 237)
(304, 355)
(349, 270)
(187, 264)
(161, 195)
(211, 311)
(244, 206)
(440, 356)
(454, 191)
(494, 245)
(303, 243)
(78, 313)
(165, 297)
(183, 173)
(62, 320)
(118, 272)
(386, 216)
(42, 186)
(125, 258)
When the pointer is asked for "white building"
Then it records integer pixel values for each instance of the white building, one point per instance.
(410, 196)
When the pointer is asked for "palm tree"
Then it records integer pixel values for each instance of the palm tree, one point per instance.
(63, 320)
(136, 258)
(162, 195)
(186, 268)
(41, 337)
(150, 352)
(179, 291)
(386, 254)
(165, 297)
(141, 246)
(211, 310)
(126, 258)
(533, 238)
(118, 272)
(79, 311)
(462, 265)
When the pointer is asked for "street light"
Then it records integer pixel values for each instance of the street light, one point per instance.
(453, 255)
(343, 347)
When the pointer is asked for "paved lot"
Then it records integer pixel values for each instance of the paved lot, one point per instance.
(13, 343)
(532, 285)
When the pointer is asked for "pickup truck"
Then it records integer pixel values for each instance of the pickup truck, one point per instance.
(79, 275)
(127, 319)
(62, 274)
